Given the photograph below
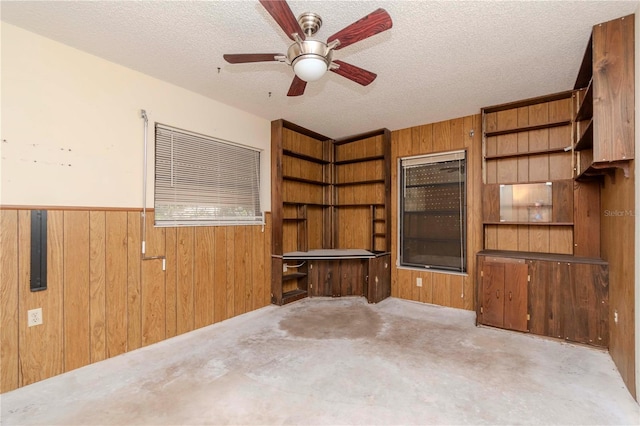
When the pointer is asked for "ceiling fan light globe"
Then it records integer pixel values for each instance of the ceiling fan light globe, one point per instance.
(310, 67)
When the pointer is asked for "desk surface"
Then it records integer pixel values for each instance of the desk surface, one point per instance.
(330, 254)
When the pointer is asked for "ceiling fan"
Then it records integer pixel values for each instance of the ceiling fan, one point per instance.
(311, 58)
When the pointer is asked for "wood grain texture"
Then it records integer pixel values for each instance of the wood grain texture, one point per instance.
(53, 340)
(48, 337)
(429, 138)
(153, 297)
(100, 301)
(614, 102)
(134, 254)
(97, 285)
(230, 275)
(76, 290)
(204, 276)
(617, 219)
(586, 218)
(185, 253)
(258, 276)
(170, 280)
(240, 270)
(220, 281)
(9, 318)
(116, 282)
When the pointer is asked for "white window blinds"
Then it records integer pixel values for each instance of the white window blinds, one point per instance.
(203, 181)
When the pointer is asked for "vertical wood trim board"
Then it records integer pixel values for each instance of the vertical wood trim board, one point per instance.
(617, 219)
(103, 300)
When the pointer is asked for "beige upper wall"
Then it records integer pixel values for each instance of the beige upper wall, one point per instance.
(72, 132)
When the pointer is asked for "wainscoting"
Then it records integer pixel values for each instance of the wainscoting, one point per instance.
(102, 299)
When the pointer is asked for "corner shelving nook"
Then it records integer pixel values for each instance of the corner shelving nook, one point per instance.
(329, 196)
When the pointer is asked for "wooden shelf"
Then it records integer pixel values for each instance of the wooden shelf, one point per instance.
(379, 220)
(305, 157)
(597, 170)
(294, 219)
(362, 182)
(359, 160)
(303, 180)
(530, 223)
(586, 139)
(294, 276)
(359, 205)
(525, 154)
(528, 128)
(585, 112)
(293, 295)
(301, 203)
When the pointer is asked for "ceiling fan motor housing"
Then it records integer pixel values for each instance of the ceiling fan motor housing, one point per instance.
(318, 54)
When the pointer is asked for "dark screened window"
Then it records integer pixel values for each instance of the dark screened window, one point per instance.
(433, 207)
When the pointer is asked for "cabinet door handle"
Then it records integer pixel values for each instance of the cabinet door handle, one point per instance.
(497, 294)
(510, 295)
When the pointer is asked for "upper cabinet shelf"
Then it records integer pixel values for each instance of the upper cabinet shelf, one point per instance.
(585, 109)
(359, 160)
(301, 156)
(528, 128)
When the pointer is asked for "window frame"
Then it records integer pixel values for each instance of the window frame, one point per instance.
(416, 161)
(228, 150)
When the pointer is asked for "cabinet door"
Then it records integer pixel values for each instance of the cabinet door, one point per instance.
(493, 294)
(321, 274)
(515, 297)
(379, 284)
(585, 302)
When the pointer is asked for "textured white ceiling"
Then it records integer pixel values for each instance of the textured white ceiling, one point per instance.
(441, 59)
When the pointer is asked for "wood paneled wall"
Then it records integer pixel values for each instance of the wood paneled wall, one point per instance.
(617, 232)
(444, 289)
(103, 300)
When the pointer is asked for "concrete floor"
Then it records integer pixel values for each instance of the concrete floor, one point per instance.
(337, 361)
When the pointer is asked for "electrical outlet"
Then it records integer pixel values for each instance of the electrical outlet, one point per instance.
(615, 316)
(419, 281)
(34, 317)
(285, 267)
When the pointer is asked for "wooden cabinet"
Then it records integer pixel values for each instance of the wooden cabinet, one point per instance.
(503, 293)
(551, 295)
(525, 143)
(337, 277)
(328, 194)
(378, 280)
(604, 100)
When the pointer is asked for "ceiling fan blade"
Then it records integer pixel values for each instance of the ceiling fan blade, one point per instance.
(372, 24)
(282, 14)
(297, 87)
(354, 73)
(242, 58)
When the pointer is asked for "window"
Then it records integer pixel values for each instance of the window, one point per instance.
(433, 211)
(201, 180)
